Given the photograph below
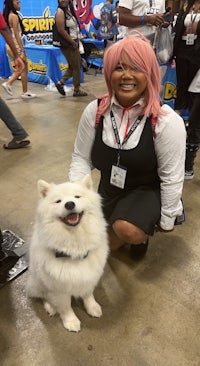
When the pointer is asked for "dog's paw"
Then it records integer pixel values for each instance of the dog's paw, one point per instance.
(92, 307)
(95, 310)
(73, 325)
(49, 309)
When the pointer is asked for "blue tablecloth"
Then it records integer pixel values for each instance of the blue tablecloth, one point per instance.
(46, 62)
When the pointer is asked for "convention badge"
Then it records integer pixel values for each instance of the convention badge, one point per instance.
(118, 176)
(190, 39)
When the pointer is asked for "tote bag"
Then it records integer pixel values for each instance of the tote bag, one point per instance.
(163, 44)
(58, 40)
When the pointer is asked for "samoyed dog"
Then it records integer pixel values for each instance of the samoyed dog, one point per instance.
(68, 250)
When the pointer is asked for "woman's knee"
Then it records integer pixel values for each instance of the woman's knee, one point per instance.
(128, 232)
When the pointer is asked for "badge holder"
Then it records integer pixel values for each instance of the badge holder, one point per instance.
(118, 176)
(190, 39)
(12, 256)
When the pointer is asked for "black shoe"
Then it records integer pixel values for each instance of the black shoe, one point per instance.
(138, 251)
(60, 88)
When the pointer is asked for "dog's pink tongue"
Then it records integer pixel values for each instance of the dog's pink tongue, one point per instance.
(72, 218)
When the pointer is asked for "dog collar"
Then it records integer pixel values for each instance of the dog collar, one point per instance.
(65, 255)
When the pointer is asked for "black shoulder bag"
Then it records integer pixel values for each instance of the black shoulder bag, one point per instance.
(58, 40)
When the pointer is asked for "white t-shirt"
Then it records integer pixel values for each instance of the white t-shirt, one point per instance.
(144, 7)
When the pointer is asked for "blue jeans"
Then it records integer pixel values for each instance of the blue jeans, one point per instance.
(10, 121)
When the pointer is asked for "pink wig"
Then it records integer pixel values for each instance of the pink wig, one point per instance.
(136, 51)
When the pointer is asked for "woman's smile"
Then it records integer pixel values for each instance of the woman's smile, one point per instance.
(128, 86)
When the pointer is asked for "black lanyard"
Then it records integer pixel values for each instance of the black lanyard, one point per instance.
(193, 17)
(132, 129)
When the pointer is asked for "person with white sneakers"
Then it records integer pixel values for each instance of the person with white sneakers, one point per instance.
(10, 12)
(19, 134)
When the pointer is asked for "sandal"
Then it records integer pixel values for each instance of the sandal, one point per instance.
(79, 93)
(60, 88)
(16, 145)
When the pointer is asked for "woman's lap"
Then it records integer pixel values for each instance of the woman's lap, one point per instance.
(141, 207)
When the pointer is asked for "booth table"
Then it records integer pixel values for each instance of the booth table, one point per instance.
(46, 62)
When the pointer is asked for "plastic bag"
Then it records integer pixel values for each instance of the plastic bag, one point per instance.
(163, 44)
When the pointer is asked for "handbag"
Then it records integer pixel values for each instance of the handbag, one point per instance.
(163, 44)
(58, 40)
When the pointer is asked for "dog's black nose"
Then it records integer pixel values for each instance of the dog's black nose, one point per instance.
(69, 205)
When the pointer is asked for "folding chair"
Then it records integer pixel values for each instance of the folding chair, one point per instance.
(94, 55)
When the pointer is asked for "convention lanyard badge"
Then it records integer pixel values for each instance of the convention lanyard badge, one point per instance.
(118, 172)
(190, 39)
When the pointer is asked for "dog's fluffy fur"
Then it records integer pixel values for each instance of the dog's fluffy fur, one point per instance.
(68, 250)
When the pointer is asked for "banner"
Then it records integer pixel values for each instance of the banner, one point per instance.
(38, 17)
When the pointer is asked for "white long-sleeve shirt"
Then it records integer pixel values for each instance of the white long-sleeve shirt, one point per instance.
(169, 146)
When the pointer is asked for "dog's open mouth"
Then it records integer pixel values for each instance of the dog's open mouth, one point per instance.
(72, 219)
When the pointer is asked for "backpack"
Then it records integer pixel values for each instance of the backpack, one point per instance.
(108, 19)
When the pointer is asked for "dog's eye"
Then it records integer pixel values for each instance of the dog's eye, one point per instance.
(58, 201)
(77, 196)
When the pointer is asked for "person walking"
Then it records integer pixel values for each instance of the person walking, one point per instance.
(19, 134)
(68, 29)
(10, 13)
(137, 145)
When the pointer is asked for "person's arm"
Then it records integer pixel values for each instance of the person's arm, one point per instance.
(128, 19)
(170, 142)
(81, 158)
(60, 23)
(6, 33)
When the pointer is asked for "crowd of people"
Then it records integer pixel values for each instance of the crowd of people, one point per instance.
(144, 142)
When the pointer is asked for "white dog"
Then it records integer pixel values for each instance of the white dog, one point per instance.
(69, 249)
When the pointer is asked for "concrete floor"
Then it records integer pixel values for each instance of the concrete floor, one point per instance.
(151, 309)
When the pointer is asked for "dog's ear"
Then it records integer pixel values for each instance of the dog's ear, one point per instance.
(43, 188)
(87, 181)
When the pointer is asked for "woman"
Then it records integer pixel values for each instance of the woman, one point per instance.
(138, 146)
(67, 27)
(187, 53)
(10, 12)
(19, 134)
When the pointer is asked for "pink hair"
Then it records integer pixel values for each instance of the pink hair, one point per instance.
(136, 51)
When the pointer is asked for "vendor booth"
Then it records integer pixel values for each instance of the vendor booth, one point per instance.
(38, 18)
(45, 63)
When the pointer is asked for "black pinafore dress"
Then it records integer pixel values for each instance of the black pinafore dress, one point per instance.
(139, 201)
